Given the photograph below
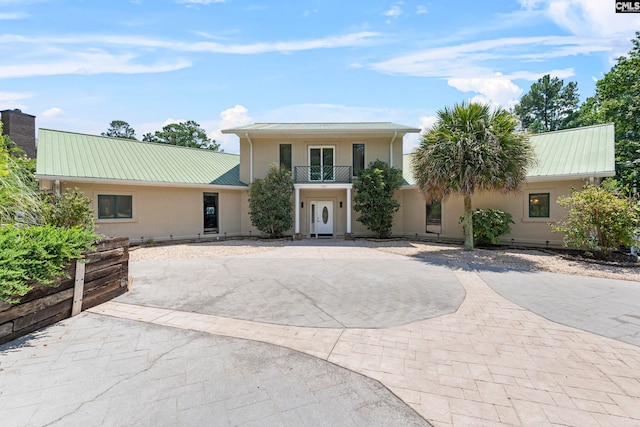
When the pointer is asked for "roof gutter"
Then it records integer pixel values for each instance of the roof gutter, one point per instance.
(246, 134)
(266, 132)
(567, 177)
(109, 181)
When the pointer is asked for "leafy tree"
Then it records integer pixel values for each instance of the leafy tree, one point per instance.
(617, 100)
(549, 105)
(375, 188)
(270, 205)
(120, 129)
(599, 219)
(185, 134)
(69, 209)
(471, 149)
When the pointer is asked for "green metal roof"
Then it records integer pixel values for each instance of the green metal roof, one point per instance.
(566, 154)
(345, 127)
(581, 152)
(67, 155)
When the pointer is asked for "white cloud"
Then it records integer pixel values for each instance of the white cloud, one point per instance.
(152, 127)
(67, 55)
(479, 66)
(102, 61)
(498, 90)
(51, 113)
(412, 140)
(477, 59)
(88, 62)
(13, 96)
(394, 11)
(12, 16)
(346, 40)
(11, 100)
(427, 122)
(230, 118)
(421, 10)
(591, 18)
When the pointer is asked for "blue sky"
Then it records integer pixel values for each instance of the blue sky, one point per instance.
(77, 65)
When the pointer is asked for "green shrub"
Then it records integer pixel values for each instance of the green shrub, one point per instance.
(599, 219)
(270, 202)
(69, 209)
(375, 187)
(37, 254)
(489, 225)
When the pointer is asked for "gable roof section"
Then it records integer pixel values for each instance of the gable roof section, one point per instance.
(583, 152)
(77, 157)
(315, 128)
(574, 153)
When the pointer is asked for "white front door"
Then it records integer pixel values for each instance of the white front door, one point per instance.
(321, 219)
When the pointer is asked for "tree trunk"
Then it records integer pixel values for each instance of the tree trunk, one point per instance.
(468, 223)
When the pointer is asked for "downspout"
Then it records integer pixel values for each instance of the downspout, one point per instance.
(246, 134)
(395, 134)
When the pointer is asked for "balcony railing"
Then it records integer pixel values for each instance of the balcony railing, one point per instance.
(322, 174)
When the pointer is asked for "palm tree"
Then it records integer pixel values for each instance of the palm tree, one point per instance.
(471, 149)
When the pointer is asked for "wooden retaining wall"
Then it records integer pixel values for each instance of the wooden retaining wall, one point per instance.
(104, 276)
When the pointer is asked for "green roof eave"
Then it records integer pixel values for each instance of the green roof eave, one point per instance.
(90, 180)
(569, 177)
(321, 128)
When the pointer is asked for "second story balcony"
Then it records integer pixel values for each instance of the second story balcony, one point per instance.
(322, 174)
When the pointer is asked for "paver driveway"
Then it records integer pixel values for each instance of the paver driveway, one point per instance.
(485, 361)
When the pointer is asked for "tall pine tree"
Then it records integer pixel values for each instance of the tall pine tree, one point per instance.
(549, 105)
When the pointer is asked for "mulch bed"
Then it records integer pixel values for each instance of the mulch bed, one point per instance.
(618, 258)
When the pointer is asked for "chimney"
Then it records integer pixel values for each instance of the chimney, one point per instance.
(21, 128)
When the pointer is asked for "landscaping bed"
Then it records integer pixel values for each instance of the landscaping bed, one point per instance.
(103, 277)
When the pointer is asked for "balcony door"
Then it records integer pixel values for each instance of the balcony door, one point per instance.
(321, 163)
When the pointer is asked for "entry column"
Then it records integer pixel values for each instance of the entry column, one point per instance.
(348, 211)
(296, 208)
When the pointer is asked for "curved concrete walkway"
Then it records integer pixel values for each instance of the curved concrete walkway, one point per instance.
(487, 362)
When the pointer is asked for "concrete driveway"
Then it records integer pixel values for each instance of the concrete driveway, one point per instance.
(331, 333)
(315, 283)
